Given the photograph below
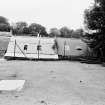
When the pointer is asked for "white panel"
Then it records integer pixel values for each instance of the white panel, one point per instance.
(31, 52)
(9, 85)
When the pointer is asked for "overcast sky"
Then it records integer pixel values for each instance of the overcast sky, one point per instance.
(50, 13)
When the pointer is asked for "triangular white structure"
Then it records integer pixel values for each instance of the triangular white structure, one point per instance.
(31, 48)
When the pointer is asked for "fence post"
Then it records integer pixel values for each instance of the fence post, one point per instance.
(38, 48)
(64, 47)
(15, 48)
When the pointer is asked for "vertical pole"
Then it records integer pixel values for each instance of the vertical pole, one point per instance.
(38, 48)
(64, 48)
(101, 54)
(15, 48)
(38, 53)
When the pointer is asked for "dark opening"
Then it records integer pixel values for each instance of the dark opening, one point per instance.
(25, 47)
(79, 49)
(39, 47)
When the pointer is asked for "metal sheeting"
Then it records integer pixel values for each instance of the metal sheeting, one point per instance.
(28, 47)
(42, 48)
(71, 47)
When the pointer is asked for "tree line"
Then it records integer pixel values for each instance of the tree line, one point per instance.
(34, 29)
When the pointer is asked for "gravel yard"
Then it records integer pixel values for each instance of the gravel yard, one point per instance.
(53, 83)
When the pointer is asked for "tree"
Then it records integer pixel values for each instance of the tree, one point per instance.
(54, 32)
(66, 32)
(95, 21)
(3, 20)
(26, 30)
(100, 3)
(37, 29)
(78, 33)
(4, 24)
(19, 28)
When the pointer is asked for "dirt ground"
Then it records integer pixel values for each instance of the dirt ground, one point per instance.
(54, 83)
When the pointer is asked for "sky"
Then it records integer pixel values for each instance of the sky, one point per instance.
(49, 13)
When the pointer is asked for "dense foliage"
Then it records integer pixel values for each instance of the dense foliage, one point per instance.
(66, 32)
(4, 24)
(95, 22)
(22, 28)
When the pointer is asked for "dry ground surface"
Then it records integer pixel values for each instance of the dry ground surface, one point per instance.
(54, 83)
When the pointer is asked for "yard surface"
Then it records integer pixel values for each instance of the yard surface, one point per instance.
(54, 83)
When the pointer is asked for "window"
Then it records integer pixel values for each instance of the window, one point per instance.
(25, 47)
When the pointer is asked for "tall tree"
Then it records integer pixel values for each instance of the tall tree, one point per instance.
(54, 32)
(66, 32)
(95, 21)
(3, 20)
(19, 28)
(78, 33)
(37, 29)
(4, 24)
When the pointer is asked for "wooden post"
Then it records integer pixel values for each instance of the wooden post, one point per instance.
(64, 48)
(38, 49)
(15, 48)
(38, 53)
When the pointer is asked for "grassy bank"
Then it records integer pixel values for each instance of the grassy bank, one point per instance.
(3, 44)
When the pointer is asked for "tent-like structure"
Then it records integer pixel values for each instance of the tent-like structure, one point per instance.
(4, 41)
(72, 47)
(25, 47)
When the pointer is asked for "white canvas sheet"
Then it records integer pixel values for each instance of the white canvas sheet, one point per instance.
(46, 51)
(9, 85)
